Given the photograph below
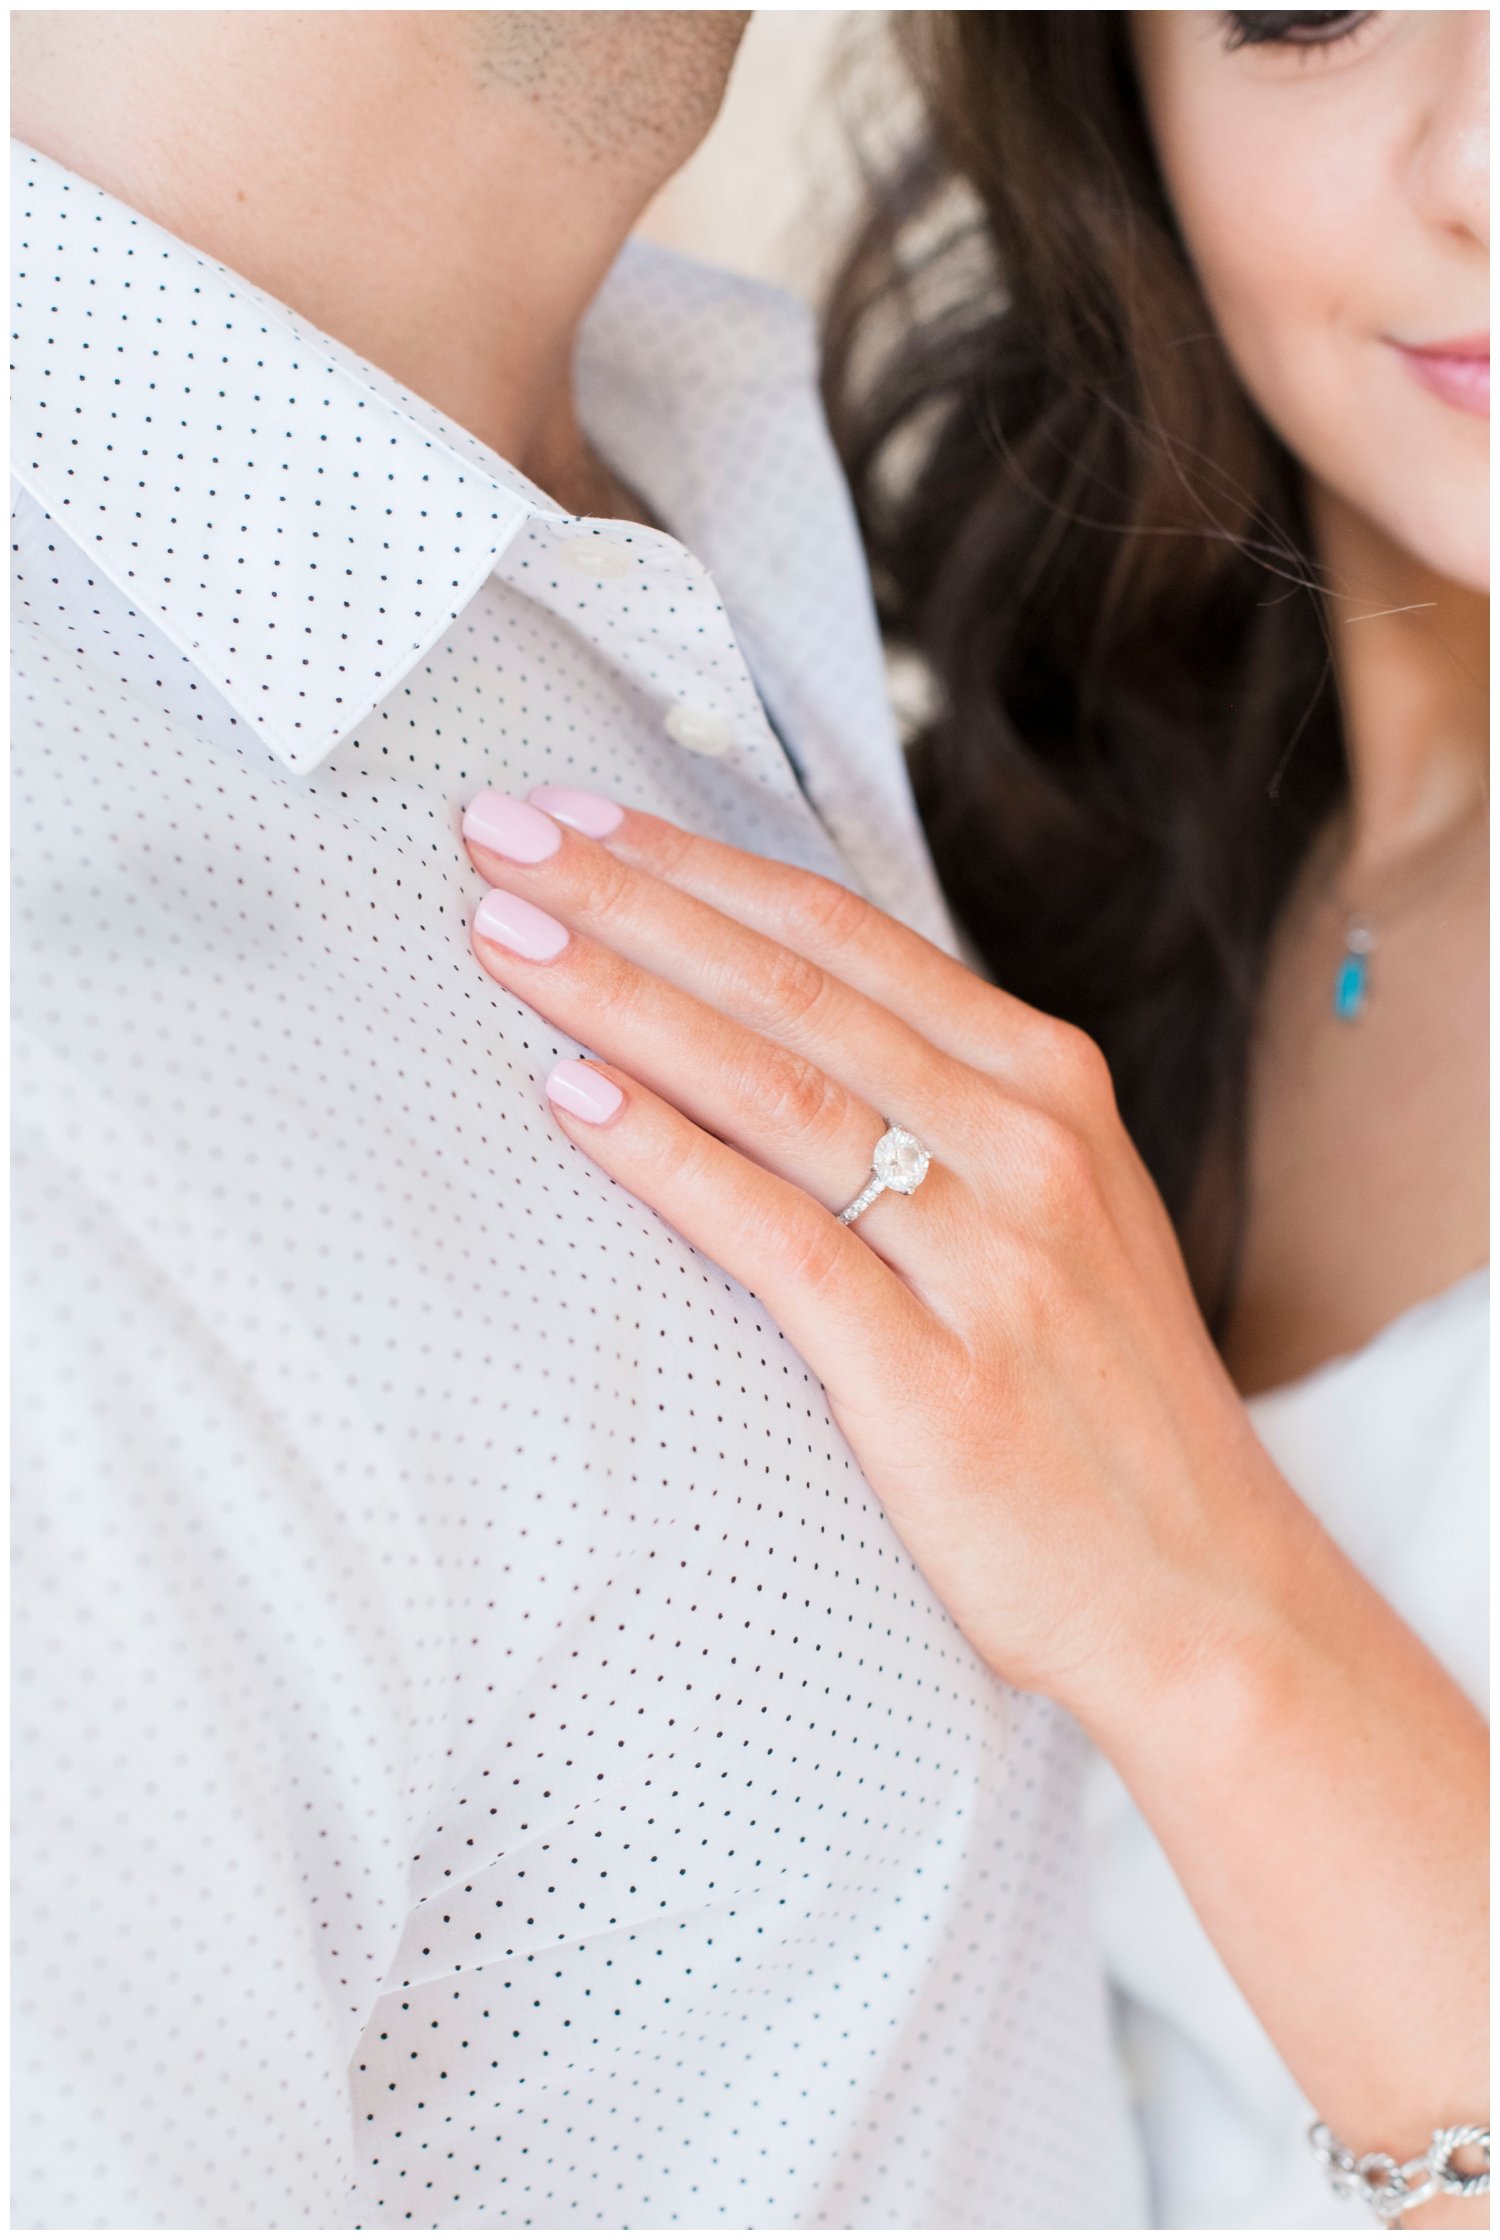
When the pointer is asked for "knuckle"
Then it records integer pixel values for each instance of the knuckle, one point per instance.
(791, 1095)
(696, 1158)
(963, 1383)
(833, 916)
(792, 987)
(1027, 1287)
(799, 1241)
(601, 883)
(667, 846)
(697, 1161)
(610, 982)
(1078, 1068)
(1034, 1284)
(1052, 1167)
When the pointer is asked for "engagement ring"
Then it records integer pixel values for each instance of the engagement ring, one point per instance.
(899, 1163)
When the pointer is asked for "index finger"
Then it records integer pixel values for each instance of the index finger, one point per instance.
(831, 925)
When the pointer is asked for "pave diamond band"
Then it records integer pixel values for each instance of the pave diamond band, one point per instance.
(899, 1162)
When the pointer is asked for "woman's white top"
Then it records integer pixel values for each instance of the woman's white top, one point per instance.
(1389, 1447)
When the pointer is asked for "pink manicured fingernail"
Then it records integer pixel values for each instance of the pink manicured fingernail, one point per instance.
(579, 1090)
(585, 812)
(519, 925)
(511, 828)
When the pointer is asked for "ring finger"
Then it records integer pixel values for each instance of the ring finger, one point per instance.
(774, 1104)
(730, 968)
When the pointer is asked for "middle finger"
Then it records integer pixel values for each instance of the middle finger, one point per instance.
(779, 1108)
(730, 968)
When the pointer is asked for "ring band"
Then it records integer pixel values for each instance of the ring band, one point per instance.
(899, 1162)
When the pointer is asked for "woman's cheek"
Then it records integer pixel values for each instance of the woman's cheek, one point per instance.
(1310, 255)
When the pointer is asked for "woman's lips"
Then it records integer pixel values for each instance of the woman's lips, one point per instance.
(1458, 372)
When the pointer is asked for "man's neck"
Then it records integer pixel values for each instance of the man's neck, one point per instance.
(442, 192)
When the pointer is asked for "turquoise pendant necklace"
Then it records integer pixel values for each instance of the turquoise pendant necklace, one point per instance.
(1351, 983)
(1351, 979)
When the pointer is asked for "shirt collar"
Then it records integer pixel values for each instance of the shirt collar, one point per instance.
(699, 388)
(139, 470)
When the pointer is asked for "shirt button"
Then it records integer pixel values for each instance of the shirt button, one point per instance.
(698, 729)
(595, 556)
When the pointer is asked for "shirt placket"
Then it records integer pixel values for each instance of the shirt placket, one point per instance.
(653, 611)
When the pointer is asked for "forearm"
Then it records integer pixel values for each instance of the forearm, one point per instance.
(1320, 1786)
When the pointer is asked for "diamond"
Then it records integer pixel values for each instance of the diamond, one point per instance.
(900, 1161)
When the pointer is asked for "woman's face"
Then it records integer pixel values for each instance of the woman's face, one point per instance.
(1330, 173)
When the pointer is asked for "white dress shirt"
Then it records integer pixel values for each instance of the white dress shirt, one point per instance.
(484, 1757)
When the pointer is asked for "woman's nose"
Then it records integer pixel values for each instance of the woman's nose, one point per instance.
(1453, 158)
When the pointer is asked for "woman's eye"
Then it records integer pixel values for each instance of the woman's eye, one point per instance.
(1291, 27)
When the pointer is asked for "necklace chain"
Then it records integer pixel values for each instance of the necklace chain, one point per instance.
(1351, 983)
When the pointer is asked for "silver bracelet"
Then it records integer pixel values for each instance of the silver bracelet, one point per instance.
(1390, 2188)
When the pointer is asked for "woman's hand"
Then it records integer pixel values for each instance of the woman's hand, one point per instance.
(1016, 1358)
(1013, 1352)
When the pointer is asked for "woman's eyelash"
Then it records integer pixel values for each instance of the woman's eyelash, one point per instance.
(1291, 27)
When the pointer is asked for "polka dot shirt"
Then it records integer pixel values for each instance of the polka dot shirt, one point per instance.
(483, 1757)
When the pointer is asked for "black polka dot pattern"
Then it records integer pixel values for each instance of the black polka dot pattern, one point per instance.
(483, 1757)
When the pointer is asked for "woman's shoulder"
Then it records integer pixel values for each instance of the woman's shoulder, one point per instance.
(1437, 1337)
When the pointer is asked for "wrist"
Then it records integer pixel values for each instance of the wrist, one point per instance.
(1220, 1636)
(1272, 1709)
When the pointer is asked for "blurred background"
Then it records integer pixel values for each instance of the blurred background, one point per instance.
(772, 189)
(775, 188)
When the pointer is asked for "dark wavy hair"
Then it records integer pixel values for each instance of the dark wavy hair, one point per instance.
(1096, 548)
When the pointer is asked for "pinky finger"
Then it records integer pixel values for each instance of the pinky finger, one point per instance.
(850, 1316)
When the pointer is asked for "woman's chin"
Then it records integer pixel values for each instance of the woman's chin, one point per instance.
(1447, 530)
(1466, 566)
(1397, 538)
